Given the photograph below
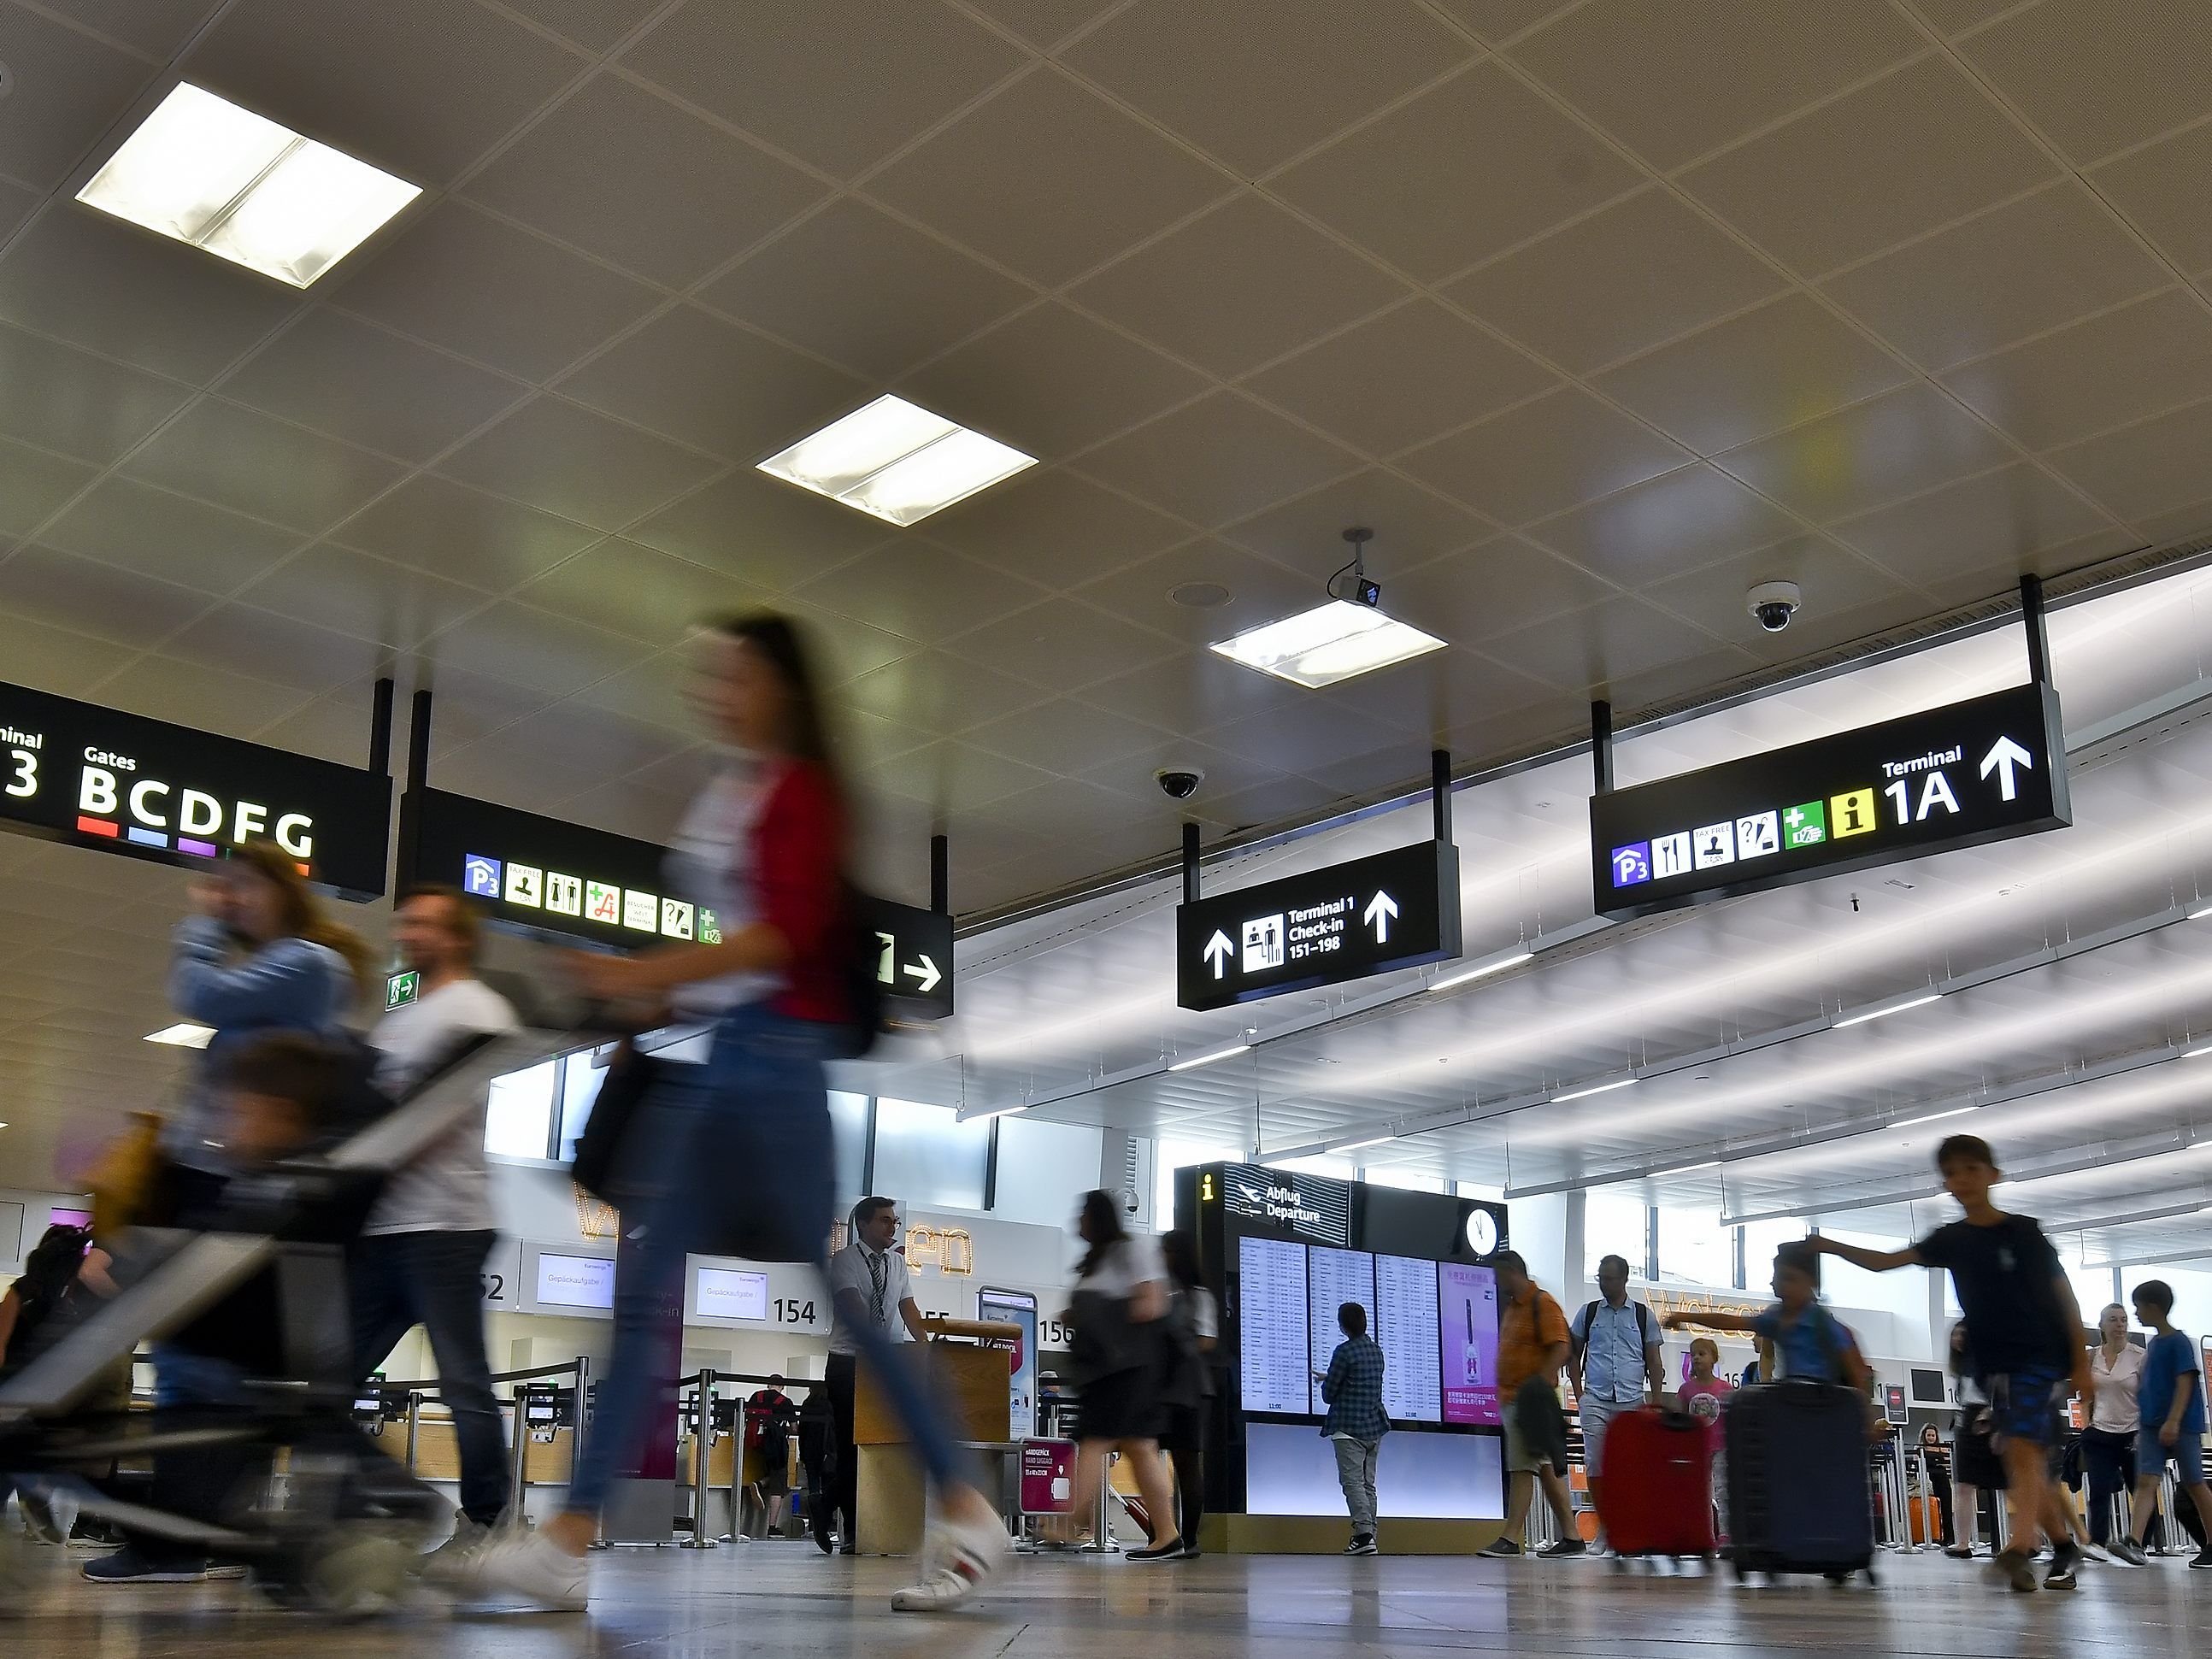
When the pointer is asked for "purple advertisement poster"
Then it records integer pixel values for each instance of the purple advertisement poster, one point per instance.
(1467, 1331)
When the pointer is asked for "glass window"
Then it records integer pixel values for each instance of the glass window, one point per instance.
(1412, 1181)
(1761, 1239)
(581, 1074)
(1338, 1169)
(848, 1131)
(925, 1158)
(1695, 1248)
(1902, 1293)
(1168, 1157)
(1045, 1168)
(1614, 1222)
(518, 1119)
(2192, 1294)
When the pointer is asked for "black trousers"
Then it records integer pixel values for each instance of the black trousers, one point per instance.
(842, 1379)
(2109, 1458)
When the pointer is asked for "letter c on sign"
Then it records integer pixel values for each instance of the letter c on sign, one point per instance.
(292, 835)
(140, 793)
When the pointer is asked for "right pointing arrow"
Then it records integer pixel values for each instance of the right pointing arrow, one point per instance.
(1218, 949)
(2001, 759)
(927, 974)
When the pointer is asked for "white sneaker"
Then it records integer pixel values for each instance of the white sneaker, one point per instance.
(449, 1563)
(525, 1567)
(961, 1556)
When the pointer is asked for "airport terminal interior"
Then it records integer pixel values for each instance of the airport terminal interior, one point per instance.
(1080, 826)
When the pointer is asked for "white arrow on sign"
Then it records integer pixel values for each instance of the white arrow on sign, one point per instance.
(1380, 911)
(927, 974)
(2001, 760)
(1218, 949)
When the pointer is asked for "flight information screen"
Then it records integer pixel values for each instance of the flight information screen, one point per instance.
(1271, 1346)
(1406, 1326)
(1334, 1277)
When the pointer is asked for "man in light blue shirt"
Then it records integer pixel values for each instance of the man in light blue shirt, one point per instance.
(1612, 1360)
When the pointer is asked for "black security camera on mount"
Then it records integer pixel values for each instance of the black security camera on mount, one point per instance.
(1773, 604)
(1180, 782)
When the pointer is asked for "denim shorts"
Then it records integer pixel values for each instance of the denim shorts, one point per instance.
(2187, 1453)
(2024, 1404)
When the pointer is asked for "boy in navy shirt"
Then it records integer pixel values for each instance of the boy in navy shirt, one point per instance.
(2170, 1400)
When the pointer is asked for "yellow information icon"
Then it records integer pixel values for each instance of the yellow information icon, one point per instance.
(1851, 814)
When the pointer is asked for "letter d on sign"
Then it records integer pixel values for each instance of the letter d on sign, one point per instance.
(200, 815)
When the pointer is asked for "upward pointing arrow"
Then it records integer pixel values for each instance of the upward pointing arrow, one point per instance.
(1218, 949)
(2001, 759)
(1380, 911)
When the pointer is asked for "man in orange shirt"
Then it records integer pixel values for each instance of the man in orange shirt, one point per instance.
(1532, 1347)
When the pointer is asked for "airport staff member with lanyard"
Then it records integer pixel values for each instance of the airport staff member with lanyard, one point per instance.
(868, 1282)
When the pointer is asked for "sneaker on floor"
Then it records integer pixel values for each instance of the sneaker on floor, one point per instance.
(1561, 1548)
(1502, 1549)
(2094, 1553)
(1960, 1552)
(2203, 1557)
(2062, 1562)
(128, 1566)
(962, 1554)
(1362, 1545)
(2013, 1568)
(447, 1565)
(525, 1567)
(2127, 1552)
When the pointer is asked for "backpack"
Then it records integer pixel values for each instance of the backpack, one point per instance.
(1589, 1312)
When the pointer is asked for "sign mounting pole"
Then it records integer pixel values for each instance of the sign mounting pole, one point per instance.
(1601, 746)
(2039, 636)
(1189, 862)
(1440, 792)
(380, 729)
(940, 875)
(418, 777)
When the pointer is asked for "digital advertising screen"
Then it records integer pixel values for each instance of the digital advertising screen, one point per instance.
(1467, 1343)
(1272, 1335)
(1019, 1308)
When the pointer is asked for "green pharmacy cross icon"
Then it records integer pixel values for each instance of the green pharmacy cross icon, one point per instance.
(1806, 825)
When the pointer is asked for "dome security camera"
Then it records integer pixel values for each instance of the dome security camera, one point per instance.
(1180, 782)
(1773, 604)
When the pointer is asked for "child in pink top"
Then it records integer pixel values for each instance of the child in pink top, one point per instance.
(1703, 1395)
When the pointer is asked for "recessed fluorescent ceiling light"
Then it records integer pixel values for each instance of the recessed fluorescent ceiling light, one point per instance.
(1956, 1111)
(1883, 1014)
(1329, 643)
(187, 1036)
(896, 462)
(224, 179)
(1498, 966)
(1601, 1088)
(1208, 1060)
(1361, 1145)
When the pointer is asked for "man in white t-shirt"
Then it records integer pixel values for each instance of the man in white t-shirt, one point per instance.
(869, 1283)
(420, 1259)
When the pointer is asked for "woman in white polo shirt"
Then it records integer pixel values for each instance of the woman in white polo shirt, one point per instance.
(2108, 1443)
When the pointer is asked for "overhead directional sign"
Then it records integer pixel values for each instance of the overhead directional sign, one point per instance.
(1394, 909)
(1983, 771)
(554, 879)
(96, 777)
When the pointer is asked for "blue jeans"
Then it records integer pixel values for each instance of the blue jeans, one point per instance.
(749, 1127)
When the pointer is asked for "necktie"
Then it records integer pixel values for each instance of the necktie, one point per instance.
(879, 1272)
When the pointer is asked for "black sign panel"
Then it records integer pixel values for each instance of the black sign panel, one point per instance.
(1366, 916)
(95, 777)
(1983, 771)
(1310, 1207)
(554, 879)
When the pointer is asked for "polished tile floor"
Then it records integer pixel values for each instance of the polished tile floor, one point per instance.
(778, 1598)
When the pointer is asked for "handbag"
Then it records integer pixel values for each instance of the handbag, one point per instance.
(1974, 1457)
(631, 1076)
(127, 1179)
(1105, 1341)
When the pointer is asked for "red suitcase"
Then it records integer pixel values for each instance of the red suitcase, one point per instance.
(1659, 1484)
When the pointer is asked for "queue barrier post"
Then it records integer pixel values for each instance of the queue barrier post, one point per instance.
(703, 1431)
(518, 1453)
(414, 1426)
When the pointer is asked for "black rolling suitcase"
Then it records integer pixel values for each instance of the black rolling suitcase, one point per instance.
(1798, 1497)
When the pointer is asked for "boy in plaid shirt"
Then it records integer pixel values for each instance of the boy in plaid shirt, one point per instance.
(1356, 1422)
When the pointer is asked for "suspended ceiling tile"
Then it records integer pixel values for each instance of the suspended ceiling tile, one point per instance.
(845, 649)
(1061, 645)
(839, 87)
(715, 385)
(421, 88)
(606, 744)
(856, 286)
(1401, 377)
(1435, 695)
(1971, 525)
(280, 649)
(338, 588)
(369, 386)
(464, 535)
(1834, 582)
(236, 457)
(2146, 469)
(1220, 458)
(1608, 644)
(594, 25)
(1462, 172)
(950, 776)
(1012, 381)
(458, 278)
(621, 173)
(2147, 356)
(197, 694)
(1064, 735)
(34, 484)
(1490, 589)
(2162, 188)
(1758, 373)
(1898, 444)
(1999, 277)
(1256, 590)
(1411, 525)
(62, 399)
(1956, 16)
(1317, 733)
(1189, 691)
(1256, 89)
(1679, 521)
(760, 529)
(1241, 284)
(1914, 150)
(535, 649)
(1626, 277)
(67, 87)
(147, 529)
(334, 727)
(1049, 180)
(80, 275)
(915, 588)
(1055, 528)
(2097, 76)
(1544, 456)
(940, 693)
(655, 690)
(1044, 23)
(650, 596)
(1677, 81)
(122, 606)
(560, 458)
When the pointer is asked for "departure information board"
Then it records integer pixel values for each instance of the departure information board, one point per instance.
(1406, 1327)
(1272, 1343)
(1335, 1278)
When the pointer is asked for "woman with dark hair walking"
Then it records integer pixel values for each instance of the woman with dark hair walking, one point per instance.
(1193, 1330)
(742, 1140)
(1120, 1299)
